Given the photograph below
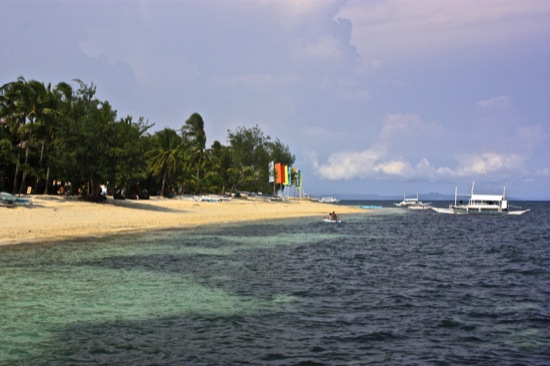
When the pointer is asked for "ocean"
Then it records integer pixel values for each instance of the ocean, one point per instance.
(388, 287)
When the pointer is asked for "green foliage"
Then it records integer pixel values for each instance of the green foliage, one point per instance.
(165, 156)
(194, 139)
(66, 134)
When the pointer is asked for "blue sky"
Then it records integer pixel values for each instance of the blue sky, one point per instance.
(386, 97)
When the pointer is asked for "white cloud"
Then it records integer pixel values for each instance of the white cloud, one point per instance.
(377, 162)
(399, 132)
(350, 165)
(394, 167)
(488, 163)
(500, 101)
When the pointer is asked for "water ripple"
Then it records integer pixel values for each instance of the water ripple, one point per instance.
(383, 288)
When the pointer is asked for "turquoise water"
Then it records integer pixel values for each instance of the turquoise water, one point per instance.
(47, 288)
(391, 287)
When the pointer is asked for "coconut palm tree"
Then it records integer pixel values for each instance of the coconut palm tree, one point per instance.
(26, 102)
(165, 157)
(11, 117)
(45, 133)
(195, 143)
(220, 165)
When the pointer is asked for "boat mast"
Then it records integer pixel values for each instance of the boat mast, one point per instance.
(456, 193)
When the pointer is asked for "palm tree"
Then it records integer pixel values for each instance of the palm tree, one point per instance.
(45, 133)
(7, 155)
(244, 177)
(26, 101)
(165, 157)
(12, 118)
(220, 165)
(195, 140)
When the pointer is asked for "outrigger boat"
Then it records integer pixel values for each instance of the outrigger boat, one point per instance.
(328, 200)
(413, 203)
(481, 203)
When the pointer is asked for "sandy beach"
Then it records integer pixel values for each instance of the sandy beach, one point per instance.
(55, 218)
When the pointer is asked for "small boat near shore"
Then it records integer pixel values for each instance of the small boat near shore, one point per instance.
(481, 204)
(332, 218)
(331, 221)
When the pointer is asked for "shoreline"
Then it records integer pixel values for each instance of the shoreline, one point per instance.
(58, 218)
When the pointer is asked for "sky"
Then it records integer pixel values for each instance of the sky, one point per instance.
(385, 97)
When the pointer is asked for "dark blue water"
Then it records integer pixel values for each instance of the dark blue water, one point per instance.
(387, 287)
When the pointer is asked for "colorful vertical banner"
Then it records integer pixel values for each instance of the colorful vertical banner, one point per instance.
(271, 172)
(285, 171)
(279, 174)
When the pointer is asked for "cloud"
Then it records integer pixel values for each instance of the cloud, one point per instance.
(350, 165)
(374, 164)
(400, 125)
(544, 172)
(500, 101)
(489, 163)
(400, 133)
(390, 29)
(394, 167)
(401, 152)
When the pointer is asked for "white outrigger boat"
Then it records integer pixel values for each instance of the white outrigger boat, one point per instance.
(413, 203)
(481, 203)
(328, 200)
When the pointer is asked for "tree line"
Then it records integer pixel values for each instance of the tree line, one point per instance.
(63, 135)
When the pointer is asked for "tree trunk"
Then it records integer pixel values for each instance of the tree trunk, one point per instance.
(24, 177)
(27, 152)
(163, 182)
(38, 179)
(198, 181)
(16, 175)
(46, 188)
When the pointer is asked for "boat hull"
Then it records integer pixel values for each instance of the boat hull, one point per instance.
(462, 211)
(331, 221)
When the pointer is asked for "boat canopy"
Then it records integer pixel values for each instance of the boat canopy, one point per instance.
(487, 197)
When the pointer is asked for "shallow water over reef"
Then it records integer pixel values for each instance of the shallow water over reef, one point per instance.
(388, 287)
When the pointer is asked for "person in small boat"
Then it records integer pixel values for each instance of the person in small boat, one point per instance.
(333, 216)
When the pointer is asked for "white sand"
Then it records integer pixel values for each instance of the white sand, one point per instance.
(54, 218)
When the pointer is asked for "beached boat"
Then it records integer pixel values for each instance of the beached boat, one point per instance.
(413, 203)
(481, 203)
(9, 200)
(210, 198)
